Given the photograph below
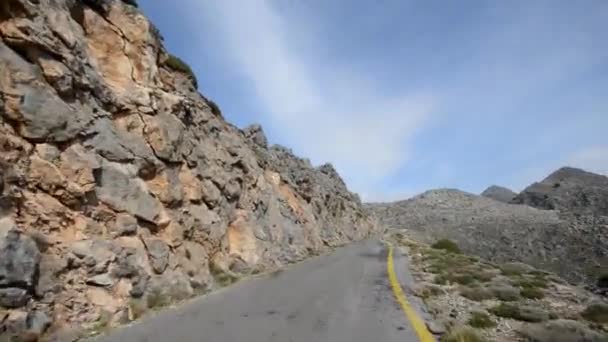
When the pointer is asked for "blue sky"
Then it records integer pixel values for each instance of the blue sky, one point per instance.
(404, 96)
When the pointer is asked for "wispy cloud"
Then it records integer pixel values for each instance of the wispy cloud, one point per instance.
(407, 96)
(328, 116)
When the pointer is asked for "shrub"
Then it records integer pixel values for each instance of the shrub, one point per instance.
(532, 293)
(515, 268)
(597, 313)
(505, 293)
(537, 282)
(178, 64)
(463, 334)
(524, 313)
(481, 320)
(476, 294)
(464, 279)
(214, 108)
(560, 331)
(602, 281)
(131, 2)
(447, 245)
(430, 291)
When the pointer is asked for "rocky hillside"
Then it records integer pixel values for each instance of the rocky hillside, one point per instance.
(471, 299)
(499, 193)
(569, 190)
(575, 247)
(120, 184)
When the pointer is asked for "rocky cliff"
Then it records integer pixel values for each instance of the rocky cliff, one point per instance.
(119, 181)
(574, 246)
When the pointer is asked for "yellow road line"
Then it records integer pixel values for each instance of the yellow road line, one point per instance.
(410, 314)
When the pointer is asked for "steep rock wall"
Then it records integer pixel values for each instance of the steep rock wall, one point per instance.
(118, 180)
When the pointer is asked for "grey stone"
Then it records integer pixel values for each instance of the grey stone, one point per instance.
(119, 146)
(119, 188)
(13, 297)
(19, 262)
(256, 134)
(165, 134)
(103, 280)
(96, 254)
(211, 194)
(435, 327)
(159, 254)
(232, 190)
(42, 114)
(50, 267)
(37, 322)
(126, 224)
(139, 285)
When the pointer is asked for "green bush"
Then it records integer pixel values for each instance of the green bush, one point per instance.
(505, 292)
(597, 313)
(505, 310)
(532, 293)
(178, 64)
(215, 109)
(463, 334)
(447, 245)
(602, 281)
(523, 313)
(481, 320)
(131, 2)
(560, 331)
(515, 268)
(476, 294)
(536, 282)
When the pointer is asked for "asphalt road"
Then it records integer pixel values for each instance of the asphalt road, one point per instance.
(341, 297)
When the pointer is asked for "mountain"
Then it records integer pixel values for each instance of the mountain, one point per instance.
(566, 242)
(499, 193)
(569, 190)
(120, 183)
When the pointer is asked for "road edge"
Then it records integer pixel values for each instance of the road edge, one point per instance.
(410, 314)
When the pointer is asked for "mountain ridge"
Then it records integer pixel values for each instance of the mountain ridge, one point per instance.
(570, 241)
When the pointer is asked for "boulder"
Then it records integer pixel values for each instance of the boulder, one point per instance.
(13, 297)
(126, 224)
(41, 113)
(164, 132)
(119, 188)
(19, 264)
(103, 280)
(159, 254)
(256, 134)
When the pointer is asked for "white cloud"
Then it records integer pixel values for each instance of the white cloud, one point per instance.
(324, 115)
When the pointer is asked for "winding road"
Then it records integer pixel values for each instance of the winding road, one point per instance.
(347, 296)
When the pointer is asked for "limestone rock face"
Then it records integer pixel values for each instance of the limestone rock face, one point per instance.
(118, 181)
